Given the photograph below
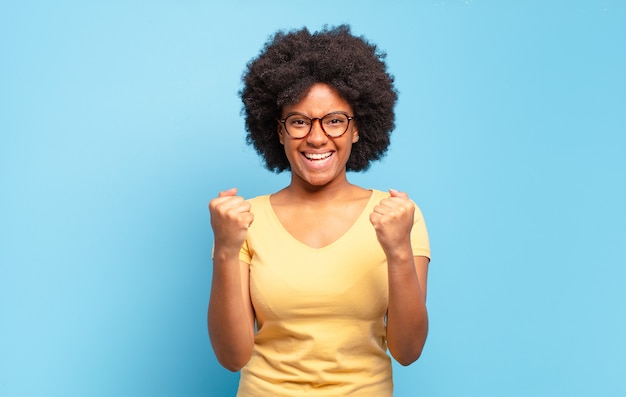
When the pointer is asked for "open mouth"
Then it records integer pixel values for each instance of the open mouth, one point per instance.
(317, 156)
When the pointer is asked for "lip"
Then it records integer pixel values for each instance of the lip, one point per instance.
(320, 162)
(317, 156)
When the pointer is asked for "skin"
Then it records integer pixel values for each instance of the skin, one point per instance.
(317, 207)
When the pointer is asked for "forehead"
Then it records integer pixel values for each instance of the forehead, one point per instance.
(319, 100)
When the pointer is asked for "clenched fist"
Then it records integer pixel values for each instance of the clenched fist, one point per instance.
(230, 219)
(393, 220)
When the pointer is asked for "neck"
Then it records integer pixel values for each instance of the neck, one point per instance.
(324, 193)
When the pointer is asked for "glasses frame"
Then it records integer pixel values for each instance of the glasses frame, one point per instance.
(284, 123)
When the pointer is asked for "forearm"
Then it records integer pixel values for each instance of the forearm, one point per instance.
(407, 317)
(230, 317)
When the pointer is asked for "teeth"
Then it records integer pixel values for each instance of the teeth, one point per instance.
(317, 156)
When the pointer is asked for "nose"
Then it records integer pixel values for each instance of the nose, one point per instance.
(316, 136)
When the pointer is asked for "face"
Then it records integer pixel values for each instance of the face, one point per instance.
(318, 160)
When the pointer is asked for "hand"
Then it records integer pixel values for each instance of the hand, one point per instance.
(393, 220)
(230, 219)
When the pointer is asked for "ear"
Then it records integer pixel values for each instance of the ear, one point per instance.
(355, 135)
(281, 133)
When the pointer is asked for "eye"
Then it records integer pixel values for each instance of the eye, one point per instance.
(335, 119)
(298, 121)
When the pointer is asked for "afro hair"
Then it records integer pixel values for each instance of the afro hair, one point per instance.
(291, 62)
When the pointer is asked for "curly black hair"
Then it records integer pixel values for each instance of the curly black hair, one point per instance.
(291, 62)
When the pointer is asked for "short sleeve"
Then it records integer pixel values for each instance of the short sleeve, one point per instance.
(244, 253)
(419, 235)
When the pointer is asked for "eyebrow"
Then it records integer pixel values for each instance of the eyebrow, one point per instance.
(302, 114)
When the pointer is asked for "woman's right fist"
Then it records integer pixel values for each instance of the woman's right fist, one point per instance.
(230, 219)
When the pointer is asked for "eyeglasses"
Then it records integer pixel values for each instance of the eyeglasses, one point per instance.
(333, 124)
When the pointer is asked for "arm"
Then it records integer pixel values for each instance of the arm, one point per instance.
(230, 315)
(407, 317)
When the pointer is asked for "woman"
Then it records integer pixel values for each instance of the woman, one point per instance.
(332, 274)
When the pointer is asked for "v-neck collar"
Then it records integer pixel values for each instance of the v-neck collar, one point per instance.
(331, 244)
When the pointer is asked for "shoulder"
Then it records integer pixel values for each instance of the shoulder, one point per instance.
(260, 207)
(259, 200)
(378, 195)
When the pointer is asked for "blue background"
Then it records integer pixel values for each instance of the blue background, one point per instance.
(120, 120)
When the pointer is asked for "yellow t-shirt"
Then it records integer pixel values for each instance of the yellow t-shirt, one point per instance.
(320, 312)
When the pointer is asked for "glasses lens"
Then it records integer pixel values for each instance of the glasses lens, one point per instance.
(335, 124)
(297, 125)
